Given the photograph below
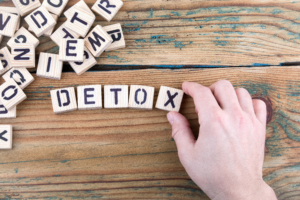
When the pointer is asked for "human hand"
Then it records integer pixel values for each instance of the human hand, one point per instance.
(227, 158)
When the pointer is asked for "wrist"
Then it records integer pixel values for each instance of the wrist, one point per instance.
(254, 191)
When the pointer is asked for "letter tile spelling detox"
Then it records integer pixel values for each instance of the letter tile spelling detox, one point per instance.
(116, 96)
(89, 97)
(169, 99)
(63, 100)
(141, 97)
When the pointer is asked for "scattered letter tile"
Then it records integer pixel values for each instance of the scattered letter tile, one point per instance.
(23, 36)
(63, 100)
(141, 97)
(55, 6)
(169, 99)
(81, 67)
(5, 137)
(49, 32)
(89, 97)
(116, 34)
(49, 66)
(8, 23)
(25, 7)
(71, 50)
(22, 55)
(63, 33)
(7, 114)
(5, 57)
(11, 94)
(21, 76)
(116, 96)
(97, 41)
(40, 21)
(107, 8)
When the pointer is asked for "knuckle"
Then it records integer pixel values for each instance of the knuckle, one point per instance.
(260, 104)
(242, 91)
(223, 83)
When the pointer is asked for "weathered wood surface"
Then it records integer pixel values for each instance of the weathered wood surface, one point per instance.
(130, 154)
(201, 32)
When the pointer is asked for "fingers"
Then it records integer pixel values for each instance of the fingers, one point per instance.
(204, 100)
(182, 134)
(245, 100)
(260, 110)
(225, 95)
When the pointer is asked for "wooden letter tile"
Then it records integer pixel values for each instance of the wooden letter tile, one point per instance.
(25, 7)
(97, 41)
(63, 100)
(20, 75)
(55, 6)
(49, 66)
(116, 34)
(40, 21)
(116, 96)
(169, 99)
(141, 97)
(23, 36)
(11, 94)
(71, 50)
(5, 137)
(49, 32)
(80, 4)
(89, 97)
(8, 23)
(5, 57)
(7, 114)
(81, 67)
(80, 21)
(22, 55)
(63, 33)
(107, 8)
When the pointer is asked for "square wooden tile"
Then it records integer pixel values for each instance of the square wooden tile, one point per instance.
(23, 36)
(79, 4)
(49, 32)
(12, 10)
(81, 67)
(169, 99)
(141, 97)
(22, 55)
(25, 7)
(40, 21)
(55, 6)
(63, 100)
(116, 96)
(97, 41)
(49, 66)
(5, 58)
(89, 97)
(20, 75)
(9, 23)
(71, 50)
(107, 8)
(6, 136)
(7, 114)
(80, 21)
(116, 34)
(11, 94)
(63, 33)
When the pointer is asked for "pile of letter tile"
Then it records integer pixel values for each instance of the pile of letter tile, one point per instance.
(79, 53)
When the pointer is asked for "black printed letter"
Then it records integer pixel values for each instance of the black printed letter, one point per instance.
(36, 22)
(24, 51)
(67, 95)
(71, 48)
(2, 26)
(107, 6)
(86, 95)
(97, 42)
(136, 96)
(76, 18)
(116, 90)
(11, 96)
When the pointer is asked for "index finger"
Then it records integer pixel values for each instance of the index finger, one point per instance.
(204, 100)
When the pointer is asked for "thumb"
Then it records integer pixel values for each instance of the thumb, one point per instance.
(182, 134)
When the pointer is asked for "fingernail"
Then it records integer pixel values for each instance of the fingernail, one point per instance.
(170, 118)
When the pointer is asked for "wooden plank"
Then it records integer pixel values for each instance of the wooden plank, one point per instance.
(128, 153)
(201, 32)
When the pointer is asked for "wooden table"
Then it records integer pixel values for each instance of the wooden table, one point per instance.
(130, 154)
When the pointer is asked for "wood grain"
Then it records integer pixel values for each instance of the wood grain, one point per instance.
(200, 32)
(130, 154)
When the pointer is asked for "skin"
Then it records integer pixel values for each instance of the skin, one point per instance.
(227, 158)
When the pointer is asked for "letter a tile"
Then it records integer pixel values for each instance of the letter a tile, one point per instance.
(107, 8)
(6, 137)
(63, 100)
(22, 55)
(11, 94)
(169, 99)
(97, 41)
(116, 96)
(40, 21)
